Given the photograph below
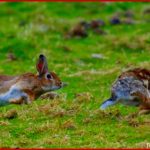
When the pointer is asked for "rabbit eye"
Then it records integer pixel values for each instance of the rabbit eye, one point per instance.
(49, 76)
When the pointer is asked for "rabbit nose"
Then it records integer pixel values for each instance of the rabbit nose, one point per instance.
(64, 84)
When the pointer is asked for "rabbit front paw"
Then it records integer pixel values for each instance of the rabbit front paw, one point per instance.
(144, 112)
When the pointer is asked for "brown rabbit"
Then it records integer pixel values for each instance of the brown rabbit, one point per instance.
(131, 88)
(27, 87)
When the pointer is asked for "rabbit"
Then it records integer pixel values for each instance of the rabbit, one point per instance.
(25, 88)
(131, 88)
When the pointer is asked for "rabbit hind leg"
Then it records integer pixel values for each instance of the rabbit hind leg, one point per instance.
(16, 101)
(144, 107)
(22, 99)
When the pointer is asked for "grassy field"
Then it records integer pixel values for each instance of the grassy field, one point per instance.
(73, 119)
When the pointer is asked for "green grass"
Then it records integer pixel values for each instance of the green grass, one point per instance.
(71, 121)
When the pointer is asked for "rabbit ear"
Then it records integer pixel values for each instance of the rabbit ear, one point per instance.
(41, 65)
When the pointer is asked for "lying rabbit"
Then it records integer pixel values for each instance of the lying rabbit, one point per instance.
(27, 87)
(131, 88)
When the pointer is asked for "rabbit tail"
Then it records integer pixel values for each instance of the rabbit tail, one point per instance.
(108, 103)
